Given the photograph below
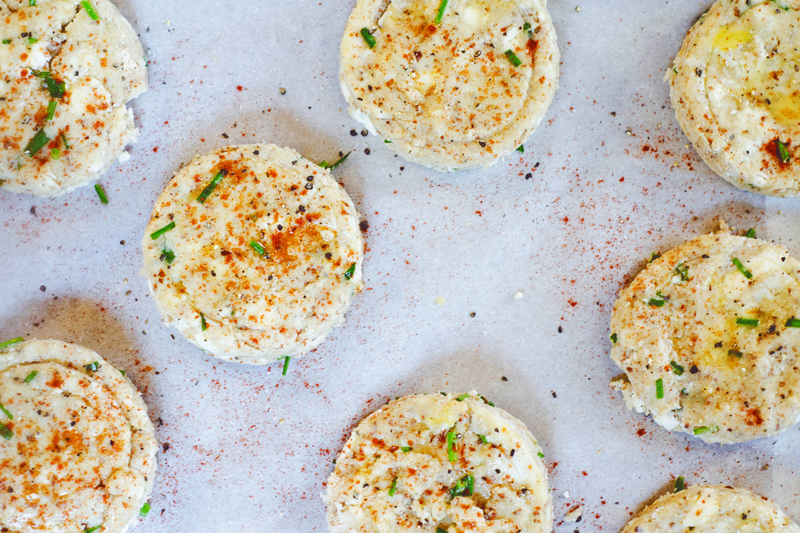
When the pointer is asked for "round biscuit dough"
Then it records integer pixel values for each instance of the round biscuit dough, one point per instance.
(101, 64)
(220, 292)
(676, 324)
(446, 96)
(712, 509)
(405, 445)
(734, 87)
(82, 450)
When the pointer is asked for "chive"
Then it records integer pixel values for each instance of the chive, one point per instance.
(31, 376)
(705, 429)
(451, 441)
(101, 193)
(144, 510)
(51, 109)
(405, 449)
(7, 413)
(734, 353)
(387, 141)
(521, 148)
(64, 138)
(286, 364)
(341, 160)
(55, 88)
(682, 271)
(4, 345)
(393, 488)
(368, 37)
(55, 153)
(94, 366)
(738, 264)
(659, 388)
(676, 368)
(255, 245)
(92, 529)
(785, 8)
(540, 454)
(782, 152)
(6, 41)
(169, 255)
(463, 397)
(483, 439)
(123, 372)
(203, 323)
(31, 2)
(87, 5)
(513, 58)
(487, 402)
(440, 13)
(680, 484)
(6, 432)
(654, 256)
(440, 530)
(36, 144)
(156, 234)
(656, 302)
(463, 487)
(32, 41)
(527, 28)
(751, 233)
(613, 338)
(348, 275)
(211, 186)
(753, 322)
(793, 323)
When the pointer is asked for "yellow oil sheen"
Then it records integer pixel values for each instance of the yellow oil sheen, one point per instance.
(729, 38)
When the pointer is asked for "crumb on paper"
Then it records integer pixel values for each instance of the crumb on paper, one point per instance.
(574, 515)
(440, 301)
(565, 495)
(124, 156)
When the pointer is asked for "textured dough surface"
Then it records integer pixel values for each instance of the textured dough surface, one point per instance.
(677, 322)
(256, 308)
(446, 96)
(83, 450)
(735, 88)
(101, 64)
(712, 509)
(405, 443)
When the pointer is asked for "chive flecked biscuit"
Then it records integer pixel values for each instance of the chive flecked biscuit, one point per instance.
(734, 87)
(449, 85)
(708, 336)
(712, 509)
(78, 451)
(439, 461)
(254, 253)
(68, 67)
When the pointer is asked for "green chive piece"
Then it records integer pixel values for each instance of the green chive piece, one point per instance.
(286, 364)
(440, 530)
(203, 323)
(793, 323)
(92, 529)
(393, 488)
(4, 345)
(483, 439)
(211, 186)
(64, 138)
(405, 449)
(513, 58)
(6, 41)
(55, 153)
(463, 487)
(144, 510)
(682, 271)
(527, 28)
(169, 255)
(348, 275)
(680, 484)
(341, 160)
(32, 41)
(255, 245)
(782, 152)
(440, 13)
(613, 337)
(751, 233)
(31, 376)
(94, 366)
(6, 432)
(463, 397)
(51, 109)
(385, 141)
(87, 5)
(738, 264)
(451, 441)
(156, 234)
(37, 143)
(735, 353)
(659, 388)
(487, 402)
(676, 368)
(752, 322)
(6, 412)
(123, 372)
(785, 8)
(31, 2)
(541, 455)
(101, 193)
(654, 256)
(56, 88)
(368, 37)
(656, 302)
(521, 148)
(705, 429)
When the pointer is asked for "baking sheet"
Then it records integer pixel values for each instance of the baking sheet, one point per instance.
(605, 181)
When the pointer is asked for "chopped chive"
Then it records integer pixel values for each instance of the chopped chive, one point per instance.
(56, 88)
(6, 41)
(92, 529)
(31, 2)
(37, 143)
(541, 455)
(101, 193)
(211, 186)
(156, 234)
(87, 5)
(793, 323)
(440, 530)
(203, 323)
(753, 322)
(521, 148)
(94, 366)
(64, 138)
(451, 441)
(123, 372)
(6, 412)
(393, 488)
(348, 275)
(751, 233)
(55, 153)
(51, 109)
(32, 41)
(144, 510)
(654, 256)
(483, 439)
(4, 345)
(487, 402)
(682, 271)
(735, 353)
(656, 302)
(676, 368)
(386, 141)
(6, 432)
(341, 160)
(286, 364)
(705, 429)
(613, 338)
(513, 58)
(169, 255)
(440, 12)
(463, 487)
(680, 484)
(463, 397)
(255, 245)
(738, 264)
(782, 152)
(368, 37)
(785, 8)
(405, 449)
(527, 28)
(31, 376)
(659, 388)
